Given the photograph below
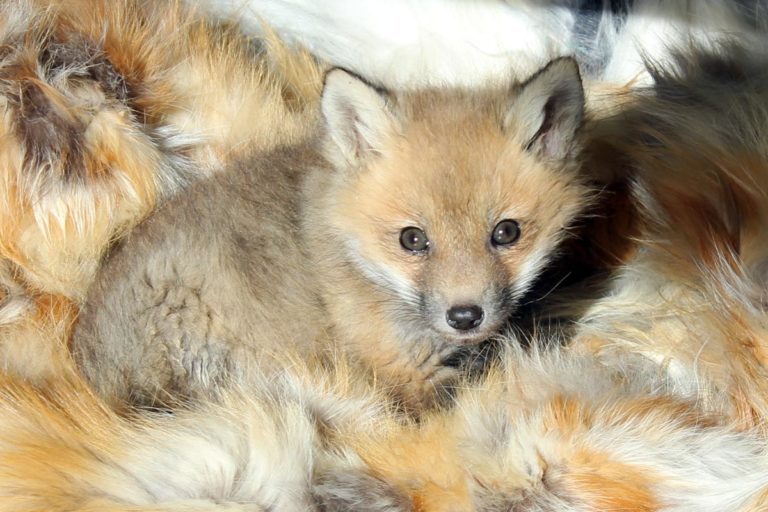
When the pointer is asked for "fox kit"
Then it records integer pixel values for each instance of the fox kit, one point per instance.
(405, 234)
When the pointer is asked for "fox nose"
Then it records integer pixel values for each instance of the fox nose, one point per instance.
(464, 318)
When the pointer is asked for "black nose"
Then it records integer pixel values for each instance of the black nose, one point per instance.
(464, 317)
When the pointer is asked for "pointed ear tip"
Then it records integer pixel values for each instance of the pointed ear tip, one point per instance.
(567, 72)
(567, 64)
(561, 70)
(340, 79)
(333, 75)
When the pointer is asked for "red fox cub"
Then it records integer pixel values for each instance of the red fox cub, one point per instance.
(406, 233)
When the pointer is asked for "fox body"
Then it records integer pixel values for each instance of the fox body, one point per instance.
(405, 233)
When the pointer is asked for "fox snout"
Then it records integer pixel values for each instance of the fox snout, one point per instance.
(464, 318)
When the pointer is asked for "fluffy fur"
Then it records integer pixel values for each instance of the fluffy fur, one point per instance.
(314, 440)
(407, 43)
(314, 250)
(690, 302)
(33, 329)
(657, 29)
(62, 449)
(416, 43)
(659, 403)
(108, 108)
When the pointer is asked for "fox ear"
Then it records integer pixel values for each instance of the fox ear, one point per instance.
(356, 115)
(549, 109)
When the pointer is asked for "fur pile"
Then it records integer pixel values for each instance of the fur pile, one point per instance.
(690, 301)
(106, 109)
(654, 398)
(312, 439)
(413, 43)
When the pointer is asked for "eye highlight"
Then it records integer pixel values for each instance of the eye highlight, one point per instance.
(414, 239)
(506, 232)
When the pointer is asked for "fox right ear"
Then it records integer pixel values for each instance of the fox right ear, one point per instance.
(356, 115)
(549, 109)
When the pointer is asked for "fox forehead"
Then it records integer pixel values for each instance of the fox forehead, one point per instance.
(456, 166)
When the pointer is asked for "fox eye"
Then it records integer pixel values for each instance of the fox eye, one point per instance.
(506, 232)
(414, 239)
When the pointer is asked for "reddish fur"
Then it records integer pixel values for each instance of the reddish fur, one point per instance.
(701, 169)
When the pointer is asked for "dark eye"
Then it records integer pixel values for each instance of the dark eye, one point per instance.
(506, 232)
(414, 239)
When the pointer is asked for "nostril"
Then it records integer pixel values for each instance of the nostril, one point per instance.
(464, 318)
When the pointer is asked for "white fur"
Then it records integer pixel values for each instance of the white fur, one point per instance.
(357, 117)
(256, 449)
(655, 28)
(411, 43)
(267, 448)
(406, 43)
(504, 428)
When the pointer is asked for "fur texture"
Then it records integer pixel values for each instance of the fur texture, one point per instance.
(407, 43)
(314, 439)
(657, 29)
(108, 108)
(690, 301)
(658, 404)
(417, 43)
(62, 449)
(316, 249)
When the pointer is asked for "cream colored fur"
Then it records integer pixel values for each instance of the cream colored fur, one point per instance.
(314, 251)
(312, 438)
(690, 301)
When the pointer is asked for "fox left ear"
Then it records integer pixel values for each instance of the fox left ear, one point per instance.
(356, 115)
(549, 109)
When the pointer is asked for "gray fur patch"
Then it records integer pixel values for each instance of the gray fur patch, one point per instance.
(348, 491)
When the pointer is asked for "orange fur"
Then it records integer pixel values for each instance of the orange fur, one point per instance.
(689, 300)
(519, 440)
(689, 303)
(105, 109)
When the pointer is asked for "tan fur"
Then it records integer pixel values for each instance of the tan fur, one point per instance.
(668, 418)
(33, 330)
(690, 301)
(314, 252)
(61, 449)
(446, 167)
(317, 438)
(106, 108)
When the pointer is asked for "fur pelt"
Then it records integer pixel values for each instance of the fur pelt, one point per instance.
(106, 109)
(658, 402)
(316, 439)
(413, 43)
(690, 300)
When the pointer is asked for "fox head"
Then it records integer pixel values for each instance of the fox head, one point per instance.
(451, 202)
